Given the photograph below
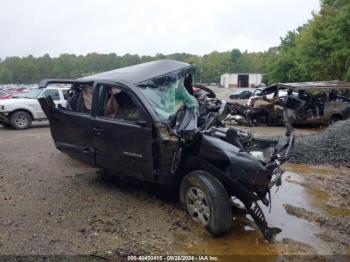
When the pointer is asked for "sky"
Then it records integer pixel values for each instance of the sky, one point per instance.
(146, 27)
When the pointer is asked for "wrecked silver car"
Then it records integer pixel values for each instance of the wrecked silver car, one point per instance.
(320, 103)
(143, 122)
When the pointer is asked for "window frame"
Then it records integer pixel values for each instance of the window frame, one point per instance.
(99, 91)
(51, 89)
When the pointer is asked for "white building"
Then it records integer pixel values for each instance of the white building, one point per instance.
(240, 80)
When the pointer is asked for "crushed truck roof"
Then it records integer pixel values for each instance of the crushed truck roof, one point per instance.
(133, 74)
(141, 72)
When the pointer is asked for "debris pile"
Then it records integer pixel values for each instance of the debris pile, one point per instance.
(331, 146)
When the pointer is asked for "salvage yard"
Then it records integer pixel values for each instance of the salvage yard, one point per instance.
(52, 204)
(180, 131)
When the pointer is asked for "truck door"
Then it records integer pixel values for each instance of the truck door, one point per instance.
(55, 95)
(70, 129)
(122, 133)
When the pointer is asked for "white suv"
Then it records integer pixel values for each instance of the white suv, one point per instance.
(20, 111)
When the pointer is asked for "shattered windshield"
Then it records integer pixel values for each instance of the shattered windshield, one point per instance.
(166, 95)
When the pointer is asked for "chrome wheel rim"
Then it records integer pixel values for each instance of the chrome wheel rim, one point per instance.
(198, 206)
(21, 120)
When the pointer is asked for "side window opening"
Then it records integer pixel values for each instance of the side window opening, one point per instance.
(117, 104)
(79, 98)
(51, 92)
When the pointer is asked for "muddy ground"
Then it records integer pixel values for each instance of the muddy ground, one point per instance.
(52, 204)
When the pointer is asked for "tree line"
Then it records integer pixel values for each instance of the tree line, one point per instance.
(208, 67)
(318, 50)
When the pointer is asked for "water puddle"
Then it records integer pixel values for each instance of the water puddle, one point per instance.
(316, 197)
(297, 236)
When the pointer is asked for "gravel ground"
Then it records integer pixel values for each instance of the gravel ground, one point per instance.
(332, 146)
(51, 204)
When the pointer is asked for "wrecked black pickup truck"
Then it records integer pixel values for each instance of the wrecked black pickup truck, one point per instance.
(144, 122)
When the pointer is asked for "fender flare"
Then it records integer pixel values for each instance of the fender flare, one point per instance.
(22, 109)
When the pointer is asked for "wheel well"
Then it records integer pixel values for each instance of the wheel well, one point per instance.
(201, 168)
(337, 116)
(193, 163)
(24, 110)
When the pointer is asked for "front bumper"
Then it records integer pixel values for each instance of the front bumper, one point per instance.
(4, 117)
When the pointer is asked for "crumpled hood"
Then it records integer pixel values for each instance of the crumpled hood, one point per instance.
(217, 151)
(240, 164)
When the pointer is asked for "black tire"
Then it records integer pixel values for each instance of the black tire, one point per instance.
(254, 121)
(258, 118)
(215, 196)
(20, 120)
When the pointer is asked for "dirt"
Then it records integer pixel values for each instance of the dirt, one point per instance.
(331, 208)
(335, 230)
(51, 204)
(328, 183)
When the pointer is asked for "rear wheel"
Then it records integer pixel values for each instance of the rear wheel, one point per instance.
(257, 118)
(20, 120)
(254, 121)
(207, 201)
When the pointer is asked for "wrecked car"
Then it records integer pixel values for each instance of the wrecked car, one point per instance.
(143, 122)
(319, 104)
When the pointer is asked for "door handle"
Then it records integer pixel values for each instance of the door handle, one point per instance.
(86, 151)
(141, 123)
(97, 130)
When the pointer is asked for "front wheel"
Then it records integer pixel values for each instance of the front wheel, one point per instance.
(20, 120)
(207, 201)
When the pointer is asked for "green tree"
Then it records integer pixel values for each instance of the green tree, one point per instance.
(319, 50)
